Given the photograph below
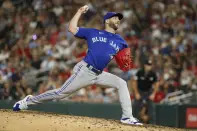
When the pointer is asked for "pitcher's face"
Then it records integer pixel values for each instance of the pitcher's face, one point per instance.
(114, 22)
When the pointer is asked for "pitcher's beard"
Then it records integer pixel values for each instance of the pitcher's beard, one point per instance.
(114, 26)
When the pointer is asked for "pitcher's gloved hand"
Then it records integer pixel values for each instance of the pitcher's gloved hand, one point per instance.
(124, 60)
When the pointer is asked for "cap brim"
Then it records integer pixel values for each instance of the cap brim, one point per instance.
(120, 16)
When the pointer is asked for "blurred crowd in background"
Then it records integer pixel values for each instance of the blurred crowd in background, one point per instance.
(37, 53)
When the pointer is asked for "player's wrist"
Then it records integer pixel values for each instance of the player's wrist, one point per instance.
(79, 12)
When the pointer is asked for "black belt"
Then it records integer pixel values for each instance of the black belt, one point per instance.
(93, 69)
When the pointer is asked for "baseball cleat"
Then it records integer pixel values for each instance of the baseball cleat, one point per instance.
(22, 104)
(130, 121)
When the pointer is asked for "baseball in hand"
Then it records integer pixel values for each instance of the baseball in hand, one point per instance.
(84, 9)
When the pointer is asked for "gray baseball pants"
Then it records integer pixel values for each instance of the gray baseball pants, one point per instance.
(83, 77)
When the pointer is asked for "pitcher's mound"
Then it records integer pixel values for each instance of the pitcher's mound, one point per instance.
(39, 121)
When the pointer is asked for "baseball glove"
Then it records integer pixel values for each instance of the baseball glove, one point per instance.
(124, 60)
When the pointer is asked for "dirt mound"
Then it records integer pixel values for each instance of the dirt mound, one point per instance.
(39, 121)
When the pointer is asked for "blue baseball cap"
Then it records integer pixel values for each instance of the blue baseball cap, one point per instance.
(112, 14)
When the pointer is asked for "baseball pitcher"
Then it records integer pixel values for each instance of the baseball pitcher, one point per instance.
(103, 46)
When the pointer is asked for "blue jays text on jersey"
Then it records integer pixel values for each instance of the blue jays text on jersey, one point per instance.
(102, 46)
(103, 39)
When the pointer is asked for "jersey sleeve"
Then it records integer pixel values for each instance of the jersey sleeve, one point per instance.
(83, 33)
(123, 42)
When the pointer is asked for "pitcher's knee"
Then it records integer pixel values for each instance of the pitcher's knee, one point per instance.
(59, 94)
(121, 83)
(60, 91)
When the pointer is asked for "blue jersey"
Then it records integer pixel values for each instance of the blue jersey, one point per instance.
(102, 46)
